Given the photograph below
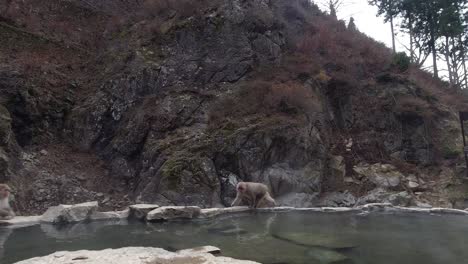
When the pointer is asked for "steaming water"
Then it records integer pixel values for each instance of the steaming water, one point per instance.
(267, 238)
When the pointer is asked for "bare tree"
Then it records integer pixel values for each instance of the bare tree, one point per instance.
(333, 6)
(419, 55)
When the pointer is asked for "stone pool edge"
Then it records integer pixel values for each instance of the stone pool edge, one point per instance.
(153, 213)
(138, 255)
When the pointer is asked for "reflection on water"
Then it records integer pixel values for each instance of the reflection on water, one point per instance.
(4, 235)
(291, 238)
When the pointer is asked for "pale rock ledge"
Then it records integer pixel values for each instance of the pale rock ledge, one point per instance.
(134, 255)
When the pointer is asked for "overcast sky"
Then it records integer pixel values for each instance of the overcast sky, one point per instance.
(365, 19)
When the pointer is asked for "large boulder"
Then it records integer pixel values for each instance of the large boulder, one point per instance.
(382, 175)
(379, 195)
(337, 167)
(69, 213)
(415, 183)
(132, 255)
(173, 212)
(338, 199)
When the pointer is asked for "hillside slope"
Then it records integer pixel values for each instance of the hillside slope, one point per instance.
(173, 102)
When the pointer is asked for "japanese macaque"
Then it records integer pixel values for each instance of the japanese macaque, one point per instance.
(254, 195)
(6, 212)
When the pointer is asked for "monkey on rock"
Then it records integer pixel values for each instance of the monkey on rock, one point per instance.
(254, 195)
(6, 213)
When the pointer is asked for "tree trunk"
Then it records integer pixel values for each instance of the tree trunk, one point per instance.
(411, 38)
(432, 45)
(465, 72)
(455, 65)
(447, 59)
(332, 9)
(393, 34)
(463, 61)
(464, 80)
(434, 61)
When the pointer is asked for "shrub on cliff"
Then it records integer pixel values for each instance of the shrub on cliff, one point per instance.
(401, 61)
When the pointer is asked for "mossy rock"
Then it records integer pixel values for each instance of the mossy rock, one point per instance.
(451, 153)
(179, 165)
(172, 171)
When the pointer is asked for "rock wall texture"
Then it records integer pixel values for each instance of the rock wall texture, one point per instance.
(174, 103)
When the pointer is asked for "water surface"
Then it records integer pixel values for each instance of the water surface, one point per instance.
(271, 238)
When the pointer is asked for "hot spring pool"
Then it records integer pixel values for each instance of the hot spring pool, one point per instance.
(292, 237)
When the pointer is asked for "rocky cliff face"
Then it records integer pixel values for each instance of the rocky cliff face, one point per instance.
(174, 103)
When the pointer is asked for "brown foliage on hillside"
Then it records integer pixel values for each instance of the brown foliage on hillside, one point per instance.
(265, 98)
(438, 89)
(182, 8)
(341, 50)
(413, 105)
(352, 57)
(156, 17)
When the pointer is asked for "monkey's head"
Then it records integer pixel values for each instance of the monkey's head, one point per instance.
(5, 191)
(241, 187)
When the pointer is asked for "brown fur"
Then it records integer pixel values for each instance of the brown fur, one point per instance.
(254, 195)
(5, 210)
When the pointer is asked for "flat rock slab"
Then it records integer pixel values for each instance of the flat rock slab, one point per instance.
(69, 213)
(140, 211)
(376, 207)
(113, 215)
(132, 255)
(212, 212)
(166, 213)
(152, 212)
(448, 211)
(21, 221)
(339, 209)
(144, 206)
(275, 209)
(310, 209)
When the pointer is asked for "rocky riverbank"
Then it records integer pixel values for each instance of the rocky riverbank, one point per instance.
(174, 104)
(74, 221)
(88, 212)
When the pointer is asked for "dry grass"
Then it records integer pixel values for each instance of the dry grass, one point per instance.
(181, 8)
(157, 17)
(342, 50)
(438, 90)
(265, 98)
(353, 58)
(413, 105)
